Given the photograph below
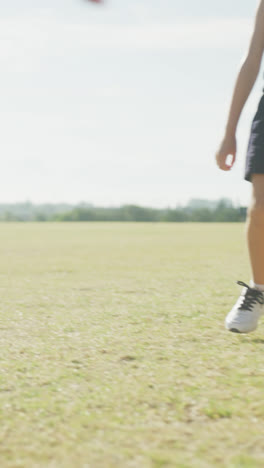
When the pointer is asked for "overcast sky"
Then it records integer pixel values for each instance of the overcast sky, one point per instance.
(121, 103)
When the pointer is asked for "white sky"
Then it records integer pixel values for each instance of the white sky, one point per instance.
(121, 103)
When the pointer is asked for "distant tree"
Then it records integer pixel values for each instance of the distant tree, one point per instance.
(40, 217)
(137, 213)
(177, 215)
(196, 211)
(77, 214)
(202, 215)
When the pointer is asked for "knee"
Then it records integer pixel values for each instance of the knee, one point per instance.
(255, 213)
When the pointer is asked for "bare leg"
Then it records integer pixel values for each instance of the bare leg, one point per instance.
(255, 228)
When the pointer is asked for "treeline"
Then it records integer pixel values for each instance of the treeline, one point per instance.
(195, 211)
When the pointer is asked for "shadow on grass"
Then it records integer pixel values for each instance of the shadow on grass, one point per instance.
(250, 340)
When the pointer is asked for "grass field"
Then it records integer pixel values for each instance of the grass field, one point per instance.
(114, 352)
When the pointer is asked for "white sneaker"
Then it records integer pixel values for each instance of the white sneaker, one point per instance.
(244, 315)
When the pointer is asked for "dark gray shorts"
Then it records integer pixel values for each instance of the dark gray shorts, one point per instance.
(255, 149)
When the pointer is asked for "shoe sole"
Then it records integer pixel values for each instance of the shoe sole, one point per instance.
(235, 330)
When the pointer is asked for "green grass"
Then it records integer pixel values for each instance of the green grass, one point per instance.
(113, 349)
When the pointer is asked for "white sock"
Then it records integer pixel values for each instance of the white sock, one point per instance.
(257, 286)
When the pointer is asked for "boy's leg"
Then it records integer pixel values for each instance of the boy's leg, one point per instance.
(244, 315)
(255, 228)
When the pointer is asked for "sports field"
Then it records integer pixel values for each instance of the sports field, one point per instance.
(114, 352)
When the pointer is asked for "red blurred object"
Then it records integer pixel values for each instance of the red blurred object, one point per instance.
(96, 1)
